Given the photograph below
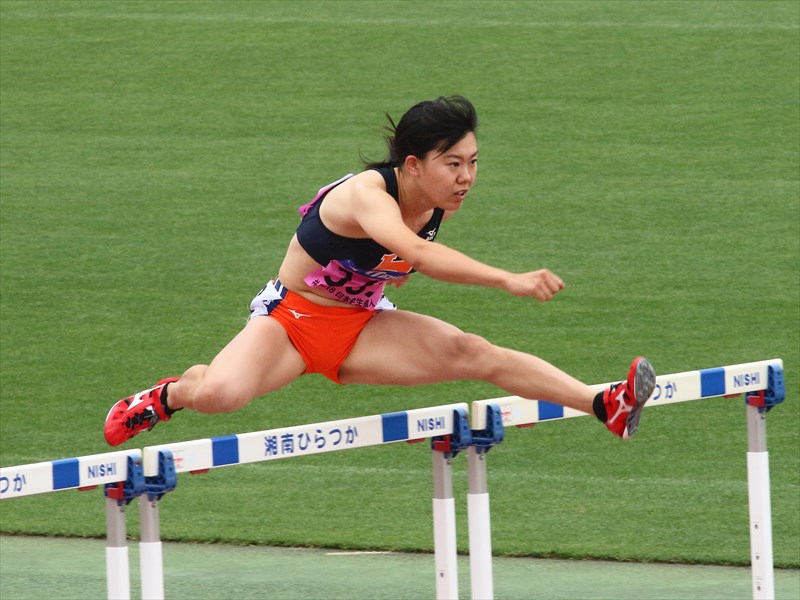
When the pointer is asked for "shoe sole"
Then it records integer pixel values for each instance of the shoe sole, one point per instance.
(644, 382)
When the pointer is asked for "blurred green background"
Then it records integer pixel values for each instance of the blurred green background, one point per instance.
(153, 155)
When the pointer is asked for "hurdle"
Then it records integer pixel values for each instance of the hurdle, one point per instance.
(761, 383)
(112, 469)
(151, 473)
(447, 425)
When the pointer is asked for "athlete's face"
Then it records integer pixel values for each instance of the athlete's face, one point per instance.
(448, 176)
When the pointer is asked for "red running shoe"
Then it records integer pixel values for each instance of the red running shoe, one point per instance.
(131, 415)
(628, 398)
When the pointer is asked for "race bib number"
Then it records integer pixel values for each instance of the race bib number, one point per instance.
(346, 286)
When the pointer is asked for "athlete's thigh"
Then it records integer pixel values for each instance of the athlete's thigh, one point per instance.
(398, 347)
(261, 358)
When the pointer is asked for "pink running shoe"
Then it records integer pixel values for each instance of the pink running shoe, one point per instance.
(628, 398)
(131, 415)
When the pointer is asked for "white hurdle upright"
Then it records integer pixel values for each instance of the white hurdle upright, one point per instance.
(761, 381)
(150, 549)
(448, 425)
(760, 504)
(445, 553)
(85, 472)
(478, 513)
(479, 526)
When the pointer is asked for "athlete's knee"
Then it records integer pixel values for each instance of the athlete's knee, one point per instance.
(475, 356)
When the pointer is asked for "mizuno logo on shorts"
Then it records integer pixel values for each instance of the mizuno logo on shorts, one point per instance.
(296, 314)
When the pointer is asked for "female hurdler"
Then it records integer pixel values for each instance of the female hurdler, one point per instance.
(326, 312)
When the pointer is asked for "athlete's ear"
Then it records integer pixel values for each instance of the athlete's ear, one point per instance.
(411, 165)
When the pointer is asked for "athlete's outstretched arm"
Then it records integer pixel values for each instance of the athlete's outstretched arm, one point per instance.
(381, 220)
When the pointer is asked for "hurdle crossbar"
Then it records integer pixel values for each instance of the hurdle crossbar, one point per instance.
(305, 440)
(65, 474)
(755, 380)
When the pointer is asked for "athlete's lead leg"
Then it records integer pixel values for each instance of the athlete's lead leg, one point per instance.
(403, 348)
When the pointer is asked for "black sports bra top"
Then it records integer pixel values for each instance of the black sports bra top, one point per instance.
(361, 255)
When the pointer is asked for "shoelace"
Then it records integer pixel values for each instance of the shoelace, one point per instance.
(147, 416)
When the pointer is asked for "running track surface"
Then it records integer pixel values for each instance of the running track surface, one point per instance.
(37, 567)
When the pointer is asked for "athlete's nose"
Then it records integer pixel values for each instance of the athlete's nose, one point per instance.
(465, 174)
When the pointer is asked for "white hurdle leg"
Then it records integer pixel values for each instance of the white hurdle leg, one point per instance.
(444, 528)
(117, 569)
(150, 553)
(760, 505)
(480, 529)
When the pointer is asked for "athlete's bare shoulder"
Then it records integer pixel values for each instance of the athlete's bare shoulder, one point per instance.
(364, 191)
(368, 182)
(357, 186)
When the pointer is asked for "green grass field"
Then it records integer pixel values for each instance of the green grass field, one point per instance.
(153, 155)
